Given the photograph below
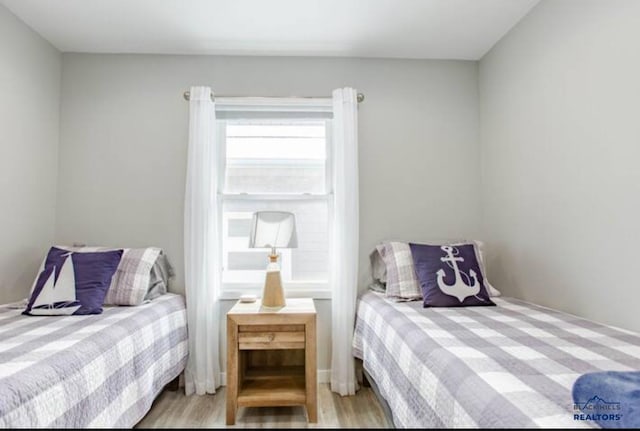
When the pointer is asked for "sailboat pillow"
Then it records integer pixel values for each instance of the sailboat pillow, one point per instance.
(449, 275)
(72, 283)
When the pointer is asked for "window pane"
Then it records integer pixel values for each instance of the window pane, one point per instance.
(241, 260)
(275, 157)
(239, 227)
(308, 262)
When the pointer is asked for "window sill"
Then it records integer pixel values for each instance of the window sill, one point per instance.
(233, 291)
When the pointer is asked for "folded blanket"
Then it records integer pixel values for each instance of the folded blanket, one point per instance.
(611, 399)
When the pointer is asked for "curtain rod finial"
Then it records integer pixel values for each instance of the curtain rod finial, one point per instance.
(360, 97)
(187, 96)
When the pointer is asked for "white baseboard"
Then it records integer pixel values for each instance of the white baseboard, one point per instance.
(324, 376)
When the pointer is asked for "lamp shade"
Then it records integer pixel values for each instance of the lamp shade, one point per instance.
(271, 229)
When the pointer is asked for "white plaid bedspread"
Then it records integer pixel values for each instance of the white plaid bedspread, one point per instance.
(100, 370)
(512, 365)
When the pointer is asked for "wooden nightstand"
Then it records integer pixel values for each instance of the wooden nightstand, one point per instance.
(271, 357)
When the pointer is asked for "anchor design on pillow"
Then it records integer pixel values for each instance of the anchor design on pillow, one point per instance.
(459, 288)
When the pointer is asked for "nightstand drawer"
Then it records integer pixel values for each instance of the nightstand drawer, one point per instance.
(271, 340)
(270, 328)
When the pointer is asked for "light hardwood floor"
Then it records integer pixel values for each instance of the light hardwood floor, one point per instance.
(175, 410)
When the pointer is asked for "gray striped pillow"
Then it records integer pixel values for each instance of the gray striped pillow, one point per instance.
(402, 283)
(130, 283)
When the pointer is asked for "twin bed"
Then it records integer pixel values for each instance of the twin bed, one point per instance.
(508, 366)
(101, 370)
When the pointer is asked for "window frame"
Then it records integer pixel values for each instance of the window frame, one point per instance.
(298, 289)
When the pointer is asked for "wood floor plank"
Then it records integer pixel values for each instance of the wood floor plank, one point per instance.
(175, 410)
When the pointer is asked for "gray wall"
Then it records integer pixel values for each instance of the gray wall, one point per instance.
(124, 138)
(30, 71)
(560, 133)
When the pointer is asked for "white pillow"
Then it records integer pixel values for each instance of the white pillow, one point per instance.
(480, 256)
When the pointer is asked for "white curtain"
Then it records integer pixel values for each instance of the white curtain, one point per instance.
(344, 240)
(202, 274)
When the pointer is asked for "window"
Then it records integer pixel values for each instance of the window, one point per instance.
(276, 164)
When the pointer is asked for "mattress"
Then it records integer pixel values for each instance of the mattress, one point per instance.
(100, 370)
(512, 365)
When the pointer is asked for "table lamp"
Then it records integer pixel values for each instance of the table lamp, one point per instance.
(273, 229)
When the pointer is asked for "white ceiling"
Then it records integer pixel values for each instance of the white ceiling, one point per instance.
(452, 29)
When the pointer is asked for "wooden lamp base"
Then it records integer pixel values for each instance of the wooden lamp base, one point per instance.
(273, 294)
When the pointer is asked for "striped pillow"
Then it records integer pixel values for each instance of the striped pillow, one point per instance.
(131, 280)
(402, 283)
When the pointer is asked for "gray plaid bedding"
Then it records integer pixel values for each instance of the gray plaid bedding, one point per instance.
(100, 370)
(513, 365)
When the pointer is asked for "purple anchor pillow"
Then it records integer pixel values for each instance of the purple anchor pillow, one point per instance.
(449, 275)
(72, 283)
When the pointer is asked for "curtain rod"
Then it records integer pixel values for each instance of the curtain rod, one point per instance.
(187, 96)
